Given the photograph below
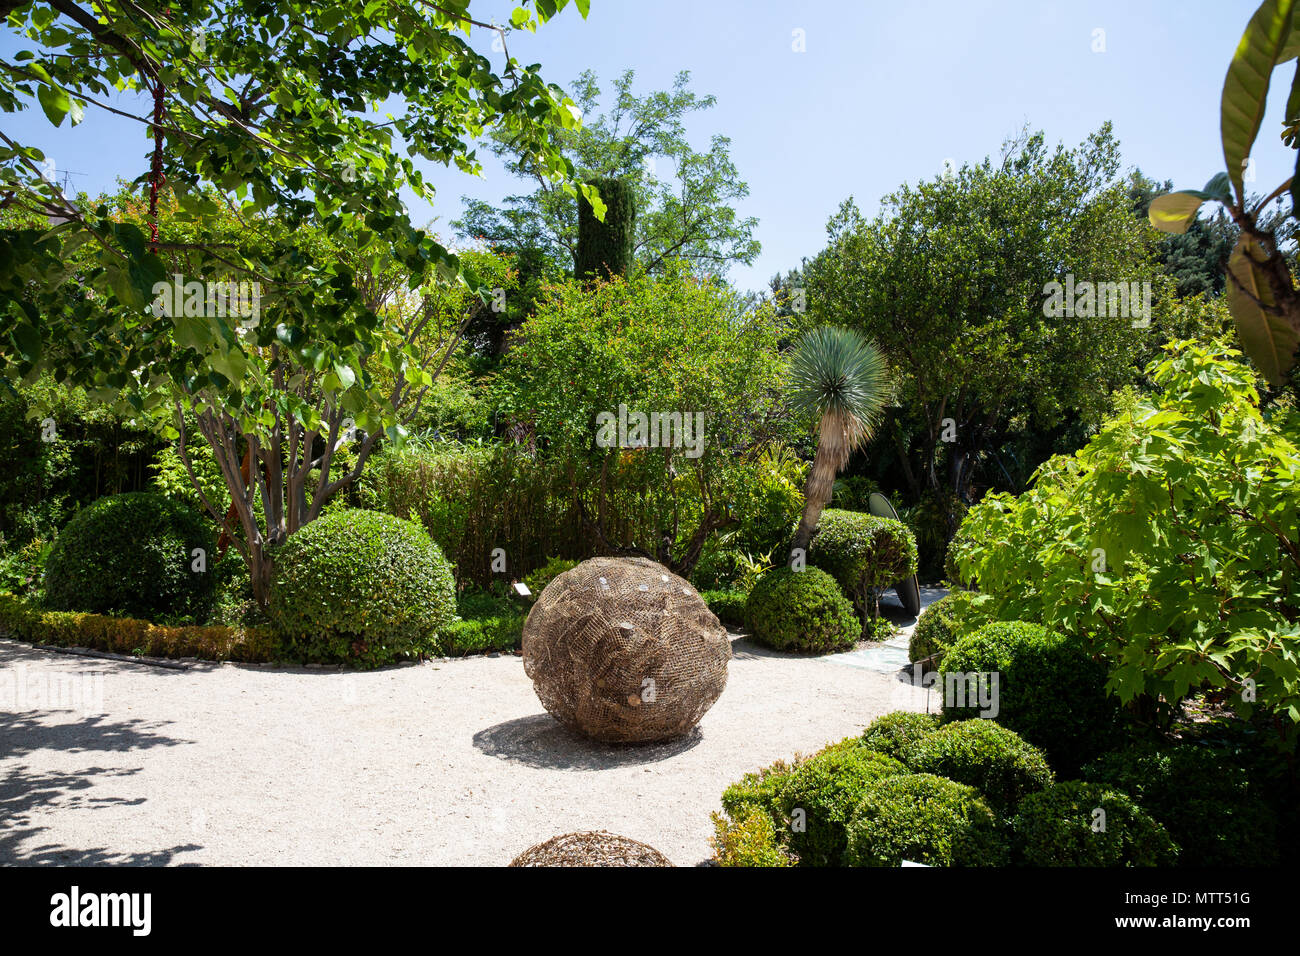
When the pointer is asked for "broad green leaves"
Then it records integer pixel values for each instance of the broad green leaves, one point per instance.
(1169, 542)
(1267, 337)
(1245, 88)
(1174, 212)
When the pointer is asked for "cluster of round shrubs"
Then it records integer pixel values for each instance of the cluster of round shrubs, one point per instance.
(831, 604)
(139, 555)
(864, 553)
(955, 793)
(1049, 689)
(361, 588)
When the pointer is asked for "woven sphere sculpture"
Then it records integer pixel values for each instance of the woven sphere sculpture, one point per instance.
(589, 848)
(624, 651)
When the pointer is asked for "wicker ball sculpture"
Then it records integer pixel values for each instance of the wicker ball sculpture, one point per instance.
(591, 849)
(624, 651)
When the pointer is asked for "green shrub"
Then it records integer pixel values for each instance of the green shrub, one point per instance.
(729, 606)
(827, 787)
(1049, 690)
(939, 626)
(1208, 804)
(552, 569)
(756, 789)
(1158, 543)
(480, 635)
(133, 555)
(865, 554)
(894, 734)
(801, 611)
(748, 839)
(877, 629)
(979, 753)
(924, 819)
(22, 572)
(1059, 826)
(361, 588)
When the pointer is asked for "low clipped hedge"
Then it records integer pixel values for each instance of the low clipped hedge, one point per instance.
(827, 788)
(360, 588)
(937, 629)
(1049, 689)
(729, 606)
(864, 553)
(801, 611)
(1059, 827)
(894, 734)
(133, 555)
(994, 760)
(925, 819)
(1208, 804)
(124, 635)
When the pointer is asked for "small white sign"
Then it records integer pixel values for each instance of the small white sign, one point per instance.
(522, 589)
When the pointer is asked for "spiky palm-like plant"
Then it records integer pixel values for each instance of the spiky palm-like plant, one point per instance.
(843, 378)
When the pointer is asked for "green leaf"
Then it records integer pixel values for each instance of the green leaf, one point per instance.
(1219, 187)
(28, 342)
(1174, 212)
(1268, 339)
(55, 102)
(1245, 88)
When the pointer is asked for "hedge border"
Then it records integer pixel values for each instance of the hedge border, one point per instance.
(126, 635)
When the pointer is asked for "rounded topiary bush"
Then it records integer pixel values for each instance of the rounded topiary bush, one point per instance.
(134, 555)
(1049, 689)
(864, 553)
(937, 629)
(1061, 826)
(801, 611)
(729, 606)
(815, 802)
(994, 760)
(1208, 804)
(361, 588)
(924, 819)
(893, 734)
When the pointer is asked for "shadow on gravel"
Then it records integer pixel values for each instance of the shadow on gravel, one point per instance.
(25, 792)
(541, 741)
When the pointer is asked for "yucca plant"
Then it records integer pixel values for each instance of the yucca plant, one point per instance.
(842, 377)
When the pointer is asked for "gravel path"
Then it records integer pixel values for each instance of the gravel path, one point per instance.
(446, 762)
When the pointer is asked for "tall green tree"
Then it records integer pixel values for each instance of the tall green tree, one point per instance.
(953, 279)
(262, 126)
(685, 198)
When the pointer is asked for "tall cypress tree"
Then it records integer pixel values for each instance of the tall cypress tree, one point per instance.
(605, 248)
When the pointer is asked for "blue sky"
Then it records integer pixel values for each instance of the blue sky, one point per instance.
(884, 93)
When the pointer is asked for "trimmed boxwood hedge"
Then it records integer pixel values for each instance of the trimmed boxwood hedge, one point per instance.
(1058, 827)
(979, 753)
(124, 635)
(1050, 690)
(133, 555)
(1207, 803)
(893, 734)
(826, 788)
(937, 628)
(924, 819)
(864, 553)
(801, 611)
(360, 588)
